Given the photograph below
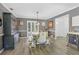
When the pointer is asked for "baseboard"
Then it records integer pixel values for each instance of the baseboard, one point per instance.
(23, 37)
(59, 37)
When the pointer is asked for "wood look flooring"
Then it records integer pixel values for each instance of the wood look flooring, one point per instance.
(56, 47)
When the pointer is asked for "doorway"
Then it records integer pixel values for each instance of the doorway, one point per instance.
(32, 28)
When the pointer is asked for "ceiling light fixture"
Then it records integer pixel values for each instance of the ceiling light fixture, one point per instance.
(37, 17)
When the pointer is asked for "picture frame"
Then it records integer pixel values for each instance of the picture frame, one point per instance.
(50, 24)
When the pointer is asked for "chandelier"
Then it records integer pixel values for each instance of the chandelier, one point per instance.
(37, 17)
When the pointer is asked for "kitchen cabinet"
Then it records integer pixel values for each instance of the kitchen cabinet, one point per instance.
(1, 35)
(9, 31)
(1, 42)
(73, 39)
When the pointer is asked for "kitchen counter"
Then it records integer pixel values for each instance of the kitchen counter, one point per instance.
(13, 33)
(73, 39)
(1, 34)
(76, 33)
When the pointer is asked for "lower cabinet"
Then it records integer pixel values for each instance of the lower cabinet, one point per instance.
(1, 42)
(8, 41)
(73, 39)
(16, 39)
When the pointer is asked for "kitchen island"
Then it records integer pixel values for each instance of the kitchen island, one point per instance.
(73, 39)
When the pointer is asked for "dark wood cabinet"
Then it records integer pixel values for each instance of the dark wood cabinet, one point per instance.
(1, 42)
(7, 23)
(8, 38)
(8, 41)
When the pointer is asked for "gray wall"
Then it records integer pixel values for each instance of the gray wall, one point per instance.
(73, 12)
(23, 29)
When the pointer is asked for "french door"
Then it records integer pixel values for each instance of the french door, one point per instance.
(32, 28)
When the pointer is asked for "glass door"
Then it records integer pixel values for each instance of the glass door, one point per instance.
(29, 28)
(32, 28)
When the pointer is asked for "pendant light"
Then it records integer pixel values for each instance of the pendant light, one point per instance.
(37, 17)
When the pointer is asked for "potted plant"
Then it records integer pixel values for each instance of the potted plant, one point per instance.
(35, 38)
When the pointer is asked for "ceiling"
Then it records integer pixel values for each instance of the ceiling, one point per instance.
(46, 10)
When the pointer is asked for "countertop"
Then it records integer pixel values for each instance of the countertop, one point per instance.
(76, 33)
(1, 34)
(13, 33)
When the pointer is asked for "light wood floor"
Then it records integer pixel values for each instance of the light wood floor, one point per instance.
(56, 47)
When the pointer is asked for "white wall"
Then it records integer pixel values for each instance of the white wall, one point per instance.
(75, 21)
(62, 26)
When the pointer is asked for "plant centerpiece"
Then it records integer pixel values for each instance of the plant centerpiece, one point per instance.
(35, 38)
